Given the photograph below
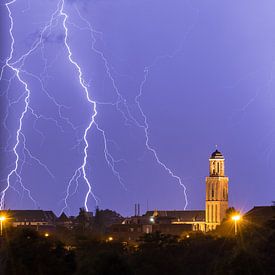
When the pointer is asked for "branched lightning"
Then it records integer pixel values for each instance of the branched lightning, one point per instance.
(14, 171)
(82, 168)
(128, 116)
(16, 67)
(108, 156)
(120, 104)
(145, 127)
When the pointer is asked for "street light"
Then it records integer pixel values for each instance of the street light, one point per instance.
(2, 219)
(236, 218)
(110, 239)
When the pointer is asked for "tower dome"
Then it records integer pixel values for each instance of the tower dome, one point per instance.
(217, 155)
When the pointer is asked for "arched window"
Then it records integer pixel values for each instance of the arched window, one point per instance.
(213, 168)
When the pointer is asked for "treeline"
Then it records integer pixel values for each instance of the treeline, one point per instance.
(26, 252)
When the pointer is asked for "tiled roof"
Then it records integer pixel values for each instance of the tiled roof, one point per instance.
(50, 215)
(63, 218)
(188, 215)
(260, 214)
(29, 215)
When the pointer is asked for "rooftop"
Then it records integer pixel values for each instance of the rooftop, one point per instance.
(182, 215)
(29, 215)
(217, 155)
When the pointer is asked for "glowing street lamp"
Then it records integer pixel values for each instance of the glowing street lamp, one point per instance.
(2, 219)
(236, 218)
(110, 239)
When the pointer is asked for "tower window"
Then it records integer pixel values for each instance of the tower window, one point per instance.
(212, 213)
(224, 194)
(213, 168)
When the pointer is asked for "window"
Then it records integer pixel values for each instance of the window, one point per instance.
(212, 213)
(213, 168)
(224, 194)
(216, 213)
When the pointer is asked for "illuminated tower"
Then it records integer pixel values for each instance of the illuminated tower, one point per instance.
(216, 192)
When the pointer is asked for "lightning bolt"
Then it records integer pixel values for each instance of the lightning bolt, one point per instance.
(14, 171)
(146, 129)
(120, 104)
(145, 125)
(20, 137)
(16, 67)
(83, 167)
(128, 116)
(82, 170)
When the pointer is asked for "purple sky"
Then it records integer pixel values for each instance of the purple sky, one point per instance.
(205, 71)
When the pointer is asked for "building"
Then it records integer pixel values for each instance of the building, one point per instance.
(216, 201)
(65, 221)
(194, 218)
(178, 222)
(259, 215)
(43, 221)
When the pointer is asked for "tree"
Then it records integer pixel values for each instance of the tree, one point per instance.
(101, 257)
(83, 221)
(231, 211)
(27, 252)
(104, 219)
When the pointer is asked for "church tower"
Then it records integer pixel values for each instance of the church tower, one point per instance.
(216, 192)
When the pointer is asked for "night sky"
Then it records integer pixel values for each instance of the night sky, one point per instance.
(200, 71)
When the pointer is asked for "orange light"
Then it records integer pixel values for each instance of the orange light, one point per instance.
(236, 218)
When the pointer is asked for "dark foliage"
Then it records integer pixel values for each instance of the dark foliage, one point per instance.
(26, 252)
(251, 252)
